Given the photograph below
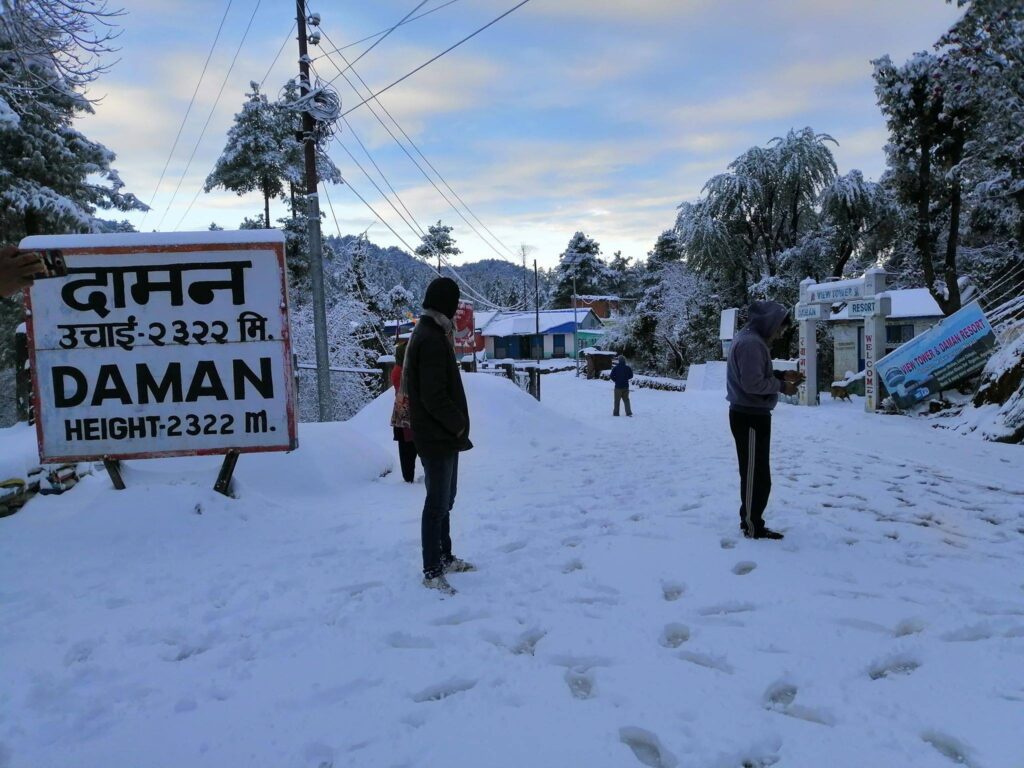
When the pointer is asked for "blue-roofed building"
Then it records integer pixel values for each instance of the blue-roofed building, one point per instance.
(513, 335)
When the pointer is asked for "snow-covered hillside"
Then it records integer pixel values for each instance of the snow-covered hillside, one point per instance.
(617, 618)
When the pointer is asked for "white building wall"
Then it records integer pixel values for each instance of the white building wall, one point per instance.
(549, 346)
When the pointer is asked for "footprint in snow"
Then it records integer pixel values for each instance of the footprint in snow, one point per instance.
(780, 696)
(744, 567)
(647, 748)
(514, 546)
(572, 565)
(949, 746)
(674, 635)
(672, 590)
(896, 664)
(727, 543)
(526, 643)
(580, 682)
(908, 627)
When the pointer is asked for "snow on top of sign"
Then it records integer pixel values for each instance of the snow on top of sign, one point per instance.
(142, 239)
(836, 285)
(908, 302)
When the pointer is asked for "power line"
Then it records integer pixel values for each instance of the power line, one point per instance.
(187, 112)
(209, 117)
(418, 151)
(279, 52)
(409, 155)
(388, 30)
(396, 26)
(481, 299)
(438, 56)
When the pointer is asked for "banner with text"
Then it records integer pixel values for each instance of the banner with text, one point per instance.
(944, 355)
(162, 345)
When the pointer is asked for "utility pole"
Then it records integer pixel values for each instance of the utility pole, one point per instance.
(575, 326)
(522, 251)
(536, 294)
(316, 267)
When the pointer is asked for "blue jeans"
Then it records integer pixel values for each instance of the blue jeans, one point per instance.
(441, 476)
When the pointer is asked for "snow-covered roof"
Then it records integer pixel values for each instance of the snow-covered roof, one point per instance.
(525, 323)
(907, 302)
(481, 318)
(141, 239)
(591, 297)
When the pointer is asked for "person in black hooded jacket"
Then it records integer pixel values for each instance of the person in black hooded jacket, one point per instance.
(753, 389)
(439, 416)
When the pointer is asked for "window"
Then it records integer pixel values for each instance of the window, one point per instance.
(898, 334)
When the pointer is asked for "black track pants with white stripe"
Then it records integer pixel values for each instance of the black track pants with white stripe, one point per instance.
(753, 435)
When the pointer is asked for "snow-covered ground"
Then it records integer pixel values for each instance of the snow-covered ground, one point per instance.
(617, 619)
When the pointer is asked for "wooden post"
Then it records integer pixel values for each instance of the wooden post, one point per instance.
(227, 470)
(113, 467)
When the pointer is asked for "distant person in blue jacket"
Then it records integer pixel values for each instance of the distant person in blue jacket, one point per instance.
(621, 374)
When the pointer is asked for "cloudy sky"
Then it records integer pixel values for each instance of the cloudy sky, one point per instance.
(593, 115)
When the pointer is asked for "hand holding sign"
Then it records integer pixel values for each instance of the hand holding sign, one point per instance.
(18, 269)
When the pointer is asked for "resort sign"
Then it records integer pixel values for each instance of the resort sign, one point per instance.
(938, 359)
(161, 345)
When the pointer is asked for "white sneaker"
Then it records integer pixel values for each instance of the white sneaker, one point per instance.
(440, 583)
(458, 565)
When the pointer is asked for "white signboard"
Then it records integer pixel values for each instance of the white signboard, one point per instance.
(162, 345)
(863, 307)
(840, 290)
(808, 311)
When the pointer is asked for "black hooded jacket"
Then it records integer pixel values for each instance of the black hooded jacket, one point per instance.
(751, 384)
(438, 410)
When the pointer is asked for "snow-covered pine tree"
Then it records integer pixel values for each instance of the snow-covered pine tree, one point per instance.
(581, 260)
(437, 243)
(258, 155)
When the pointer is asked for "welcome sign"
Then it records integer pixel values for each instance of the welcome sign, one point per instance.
(161, 345)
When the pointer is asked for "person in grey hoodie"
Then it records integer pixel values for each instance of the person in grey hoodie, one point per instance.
(752, 391)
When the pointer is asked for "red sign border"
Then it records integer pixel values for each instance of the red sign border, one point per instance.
(289, 373)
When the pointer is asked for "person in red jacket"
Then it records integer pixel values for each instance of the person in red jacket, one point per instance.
(400, 420)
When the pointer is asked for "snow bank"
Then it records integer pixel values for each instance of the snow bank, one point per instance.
(18, 452)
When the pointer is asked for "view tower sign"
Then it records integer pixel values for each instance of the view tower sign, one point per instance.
(865, 299)
(162, 344)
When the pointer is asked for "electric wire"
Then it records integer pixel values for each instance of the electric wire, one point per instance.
(206, 125)
(411, 158)
(188, 111)
(438, 56)
(1006, 283)
(402, 240)
(385, 36)
(414, 226)
(279, 52)
(384, 31)
(413, 144)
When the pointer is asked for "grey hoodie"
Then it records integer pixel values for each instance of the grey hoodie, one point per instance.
(751, 385)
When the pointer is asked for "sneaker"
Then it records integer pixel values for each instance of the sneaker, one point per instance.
(440, 583)
(457, 565)
(765, 533)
